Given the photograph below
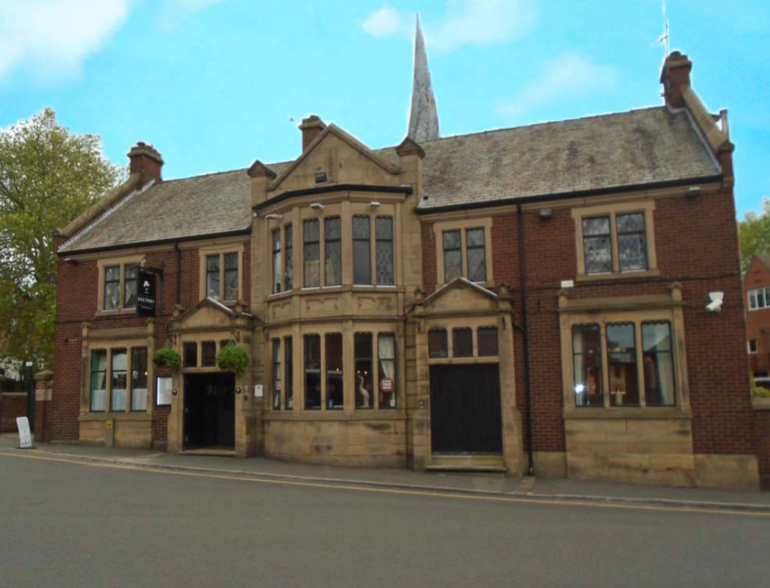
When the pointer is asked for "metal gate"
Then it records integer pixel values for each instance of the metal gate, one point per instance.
(465, 409)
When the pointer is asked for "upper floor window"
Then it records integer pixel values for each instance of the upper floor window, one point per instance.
(362, 250)
(752, 346)
(462, 250)
(221, 276)
(462, 343)
(277, 273)
(282, 249)
(615, 239)
(288, 279)
(120, 286)
(759, 298)
(332, 251)
(384, 251)
(312, 254)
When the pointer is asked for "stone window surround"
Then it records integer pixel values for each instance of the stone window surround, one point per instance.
(116, 339)
(463, 225)
(612, 210)
(627, 309)
(346, 209)
(220, 250)
(104, 263)
(213, 334)
(348, 332)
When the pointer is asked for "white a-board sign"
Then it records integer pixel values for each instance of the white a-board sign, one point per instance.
(25, 438)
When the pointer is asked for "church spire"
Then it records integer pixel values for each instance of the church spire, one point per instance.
(423, 119)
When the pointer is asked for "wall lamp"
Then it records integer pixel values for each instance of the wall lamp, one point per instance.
(375, 204)
(693, 192)
(71, 260)
(317, 206)
(273, 216)
(545, 213)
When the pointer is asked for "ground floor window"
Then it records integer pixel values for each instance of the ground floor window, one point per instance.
(334, 371)
(276, 374)
(312, 372)
(119, 379)
(386, 356)
(638, 357)
(364, 370)
(288, 364)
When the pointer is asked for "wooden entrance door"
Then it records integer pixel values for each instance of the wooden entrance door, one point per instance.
(209, 411)
(465, 409)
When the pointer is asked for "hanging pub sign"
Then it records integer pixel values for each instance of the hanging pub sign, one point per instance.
(145, 299)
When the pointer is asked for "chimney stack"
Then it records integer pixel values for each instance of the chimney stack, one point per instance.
(675, 78)
(145, 161)
(311, 127)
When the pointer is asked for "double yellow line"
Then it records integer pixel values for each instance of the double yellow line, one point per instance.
(35, 455)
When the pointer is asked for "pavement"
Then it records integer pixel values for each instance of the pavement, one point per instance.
(554, 489)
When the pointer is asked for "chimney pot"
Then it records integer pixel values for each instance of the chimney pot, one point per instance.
(145, 161)
(311, 127)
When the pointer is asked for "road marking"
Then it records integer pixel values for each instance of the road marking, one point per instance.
(434, 494)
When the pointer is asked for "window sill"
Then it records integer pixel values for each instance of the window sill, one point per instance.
(117, 312)
(463, 360)
(650, 273)
(602, 413)
(115, 416)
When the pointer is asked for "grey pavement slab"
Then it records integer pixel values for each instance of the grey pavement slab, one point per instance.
(553, 488)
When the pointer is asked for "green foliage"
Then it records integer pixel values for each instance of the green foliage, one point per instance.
(754, 234)
(47, 178)
(232, 358)
(759, 391)
(167, 357)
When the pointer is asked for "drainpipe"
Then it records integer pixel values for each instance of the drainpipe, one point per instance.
(525, 336)
(178, 272)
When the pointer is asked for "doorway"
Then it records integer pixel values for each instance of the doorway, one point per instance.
(209, 411)
(465, 412)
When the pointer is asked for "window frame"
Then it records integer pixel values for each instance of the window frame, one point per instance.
(123, 263)
(439, 228)
(748, 346)
(222, 252)
(646, 208)
(754, 292)
(628, 309)
(108, 374)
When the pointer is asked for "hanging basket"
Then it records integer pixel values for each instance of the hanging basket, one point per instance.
(167, 357)
(232, 358)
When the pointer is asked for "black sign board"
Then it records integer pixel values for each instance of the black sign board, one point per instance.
(145, 289)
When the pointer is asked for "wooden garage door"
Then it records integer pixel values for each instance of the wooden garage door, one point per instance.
(465, 409)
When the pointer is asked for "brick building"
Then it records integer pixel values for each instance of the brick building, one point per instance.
(756, 284)
(525, 299)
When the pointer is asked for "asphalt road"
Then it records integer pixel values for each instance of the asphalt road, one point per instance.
(66, 524)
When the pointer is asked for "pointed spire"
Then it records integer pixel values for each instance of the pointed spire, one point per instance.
(423, 119)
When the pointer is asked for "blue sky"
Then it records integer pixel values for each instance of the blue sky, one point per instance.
(213, 84)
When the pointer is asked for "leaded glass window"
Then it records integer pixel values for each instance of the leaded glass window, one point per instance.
(362, 344)
(623, 379)
(658, 362)
(632, 242)
(384, 250)
(587, 364)
(119, 380)
(129, 285)
(112, 287)
(139, 379)
(312, 254)
(335, 375)
(453, 255)
(333, 251)
(362, 253)
(212, 276)
(386, 357)
(276, 260)
(597, 243)
(98, 380)
(477, 258)
(289, 269)
(231, 276)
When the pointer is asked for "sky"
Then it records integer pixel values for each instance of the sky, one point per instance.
(215, 84)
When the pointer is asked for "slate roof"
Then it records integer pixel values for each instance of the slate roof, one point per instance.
(589, 154)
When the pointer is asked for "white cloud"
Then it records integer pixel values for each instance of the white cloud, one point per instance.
(385, 22)
(567, 76)
(471, 23)
(52, 38)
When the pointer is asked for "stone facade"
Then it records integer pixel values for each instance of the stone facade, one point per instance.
(353, 294)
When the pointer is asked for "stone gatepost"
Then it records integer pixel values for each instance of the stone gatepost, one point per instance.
(43, 395)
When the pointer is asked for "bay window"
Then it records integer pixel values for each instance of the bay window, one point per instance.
(362, 252)
(384, 250)
(364, 370)
(332, 251)
(312, 372)
(276, 374)
(276, 261)
(386, 369)
(288, 279)
(312, 254)
(334, 371)
(288, 366)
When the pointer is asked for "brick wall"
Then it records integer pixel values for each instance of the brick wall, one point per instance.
(758, 321)
(12, 405)
(77, 303)
(697, 245)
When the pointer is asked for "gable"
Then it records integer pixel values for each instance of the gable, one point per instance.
(463, 294)
(208, 314)
(344, 160)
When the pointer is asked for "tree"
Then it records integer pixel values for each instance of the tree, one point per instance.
(47, 178)
(754, 234)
